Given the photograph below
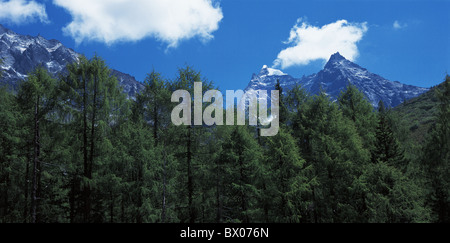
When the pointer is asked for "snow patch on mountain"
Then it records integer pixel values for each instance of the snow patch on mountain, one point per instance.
(271, 71)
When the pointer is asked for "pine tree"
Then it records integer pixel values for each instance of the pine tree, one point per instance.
(329, 144)
(133, 174)
(356, 108)
(154, 102)
(37, 97)
(96, 101)
(237, 170)
(186, 142)
(386, 147)
(287, 183)
(13, 182)
(391, 196)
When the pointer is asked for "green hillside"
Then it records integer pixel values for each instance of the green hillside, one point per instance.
(418, 114)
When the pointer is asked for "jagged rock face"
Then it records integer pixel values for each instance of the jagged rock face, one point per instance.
(21, 54)
(129, 84)
(335, 76)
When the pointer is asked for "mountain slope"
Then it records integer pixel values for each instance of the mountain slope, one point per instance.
(336, 75)
(419, 113)
(22, 53)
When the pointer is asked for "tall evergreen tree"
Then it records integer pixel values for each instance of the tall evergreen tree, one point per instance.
(329, 144)
(186, 141)
(238, 174)
(391, 196)
(287, 182)
(95, 101)
(154, 102)
(386, 147)
(37, 98)
(356, 108)
(13, 181)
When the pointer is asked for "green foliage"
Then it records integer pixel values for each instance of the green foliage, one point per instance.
(436, 158)
(237, 177)
(189, 145)
(286, 180)
(331, 146)
(153, 104)
(74, 149)
(37, 101)
(356, 108)
(390, 197)
(11, 160)
(418, 115)
(96, 104)
(387, 149)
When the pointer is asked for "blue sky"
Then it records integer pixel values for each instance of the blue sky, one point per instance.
(228, 40)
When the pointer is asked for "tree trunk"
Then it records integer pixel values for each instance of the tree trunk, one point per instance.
(91, 154)
(163, 214)
(190, 185)
(283, 190)
(34, 192)
(122, 209)
(155, 124)
(243, 180)
(6, 208)
(218, 194)
(140, 184)
(72, 199)
(86, 190)
(27, 178)
(111, 213)
(265, 206)
(38, 174)
(315, 206)
(352, 106)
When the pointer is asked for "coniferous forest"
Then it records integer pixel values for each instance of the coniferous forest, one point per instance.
(74, 149)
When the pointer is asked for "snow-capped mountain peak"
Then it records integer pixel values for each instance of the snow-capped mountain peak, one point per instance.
(337, 61)
(334, 77)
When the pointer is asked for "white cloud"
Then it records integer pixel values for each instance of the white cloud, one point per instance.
(21, 11)
(169, 21)
(310, 43)
(397, 25)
